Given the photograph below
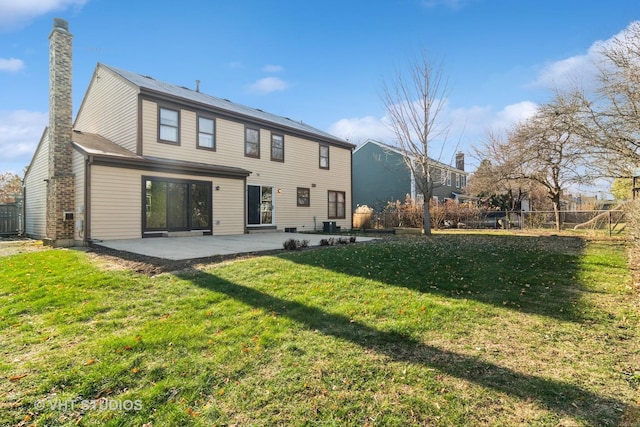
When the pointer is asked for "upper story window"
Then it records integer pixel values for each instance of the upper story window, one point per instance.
(277, 148)
(449, 178)
(457, 181)
(252, 142)
(169, 126)
(324, 157)
(206, 133)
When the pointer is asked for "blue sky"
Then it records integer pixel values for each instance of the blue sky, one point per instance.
(320, 62)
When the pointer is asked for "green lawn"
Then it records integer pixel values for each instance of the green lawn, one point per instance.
(456, 329)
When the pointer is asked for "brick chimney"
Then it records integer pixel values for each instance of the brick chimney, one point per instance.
(460, 160)
(60, 185)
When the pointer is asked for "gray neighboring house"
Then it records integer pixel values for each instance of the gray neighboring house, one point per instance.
(380, 175)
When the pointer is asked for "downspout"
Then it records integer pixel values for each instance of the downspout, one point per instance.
(244, 204)
(23, 225)
(351, 190)
(87, 200)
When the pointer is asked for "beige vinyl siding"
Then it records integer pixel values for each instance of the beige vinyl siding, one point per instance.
(299, 169)
(116, 202)
(110, 109)
(78, 164)
(36, 191)
(228, 206)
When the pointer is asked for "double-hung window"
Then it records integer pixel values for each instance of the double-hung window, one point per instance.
(277, 147)
(324, 157)
(206, 133)
(251, 142)
(303, 196)
(336, 204)
(169, 126)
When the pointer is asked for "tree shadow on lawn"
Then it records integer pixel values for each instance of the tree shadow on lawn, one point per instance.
(537, 275)
(556, 396)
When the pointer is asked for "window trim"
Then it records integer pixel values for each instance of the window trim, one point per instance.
(308, 190)
(160, 125)
(247, 128)
(344, 210)
(320, 157)
(215, 127)
(274, 159)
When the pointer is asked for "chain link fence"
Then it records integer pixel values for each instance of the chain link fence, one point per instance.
(607, 221)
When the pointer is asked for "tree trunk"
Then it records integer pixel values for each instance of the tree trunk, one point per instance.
(426, 217)
(556, 211)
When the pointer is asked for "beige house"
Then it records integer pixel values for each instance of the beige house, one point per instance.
(146, 158)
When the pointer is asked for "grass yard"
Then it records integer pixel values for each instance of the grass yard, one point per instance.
(457, 329)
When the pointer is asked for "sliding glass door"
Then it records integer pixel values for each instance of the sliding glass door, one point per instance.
(176, 205)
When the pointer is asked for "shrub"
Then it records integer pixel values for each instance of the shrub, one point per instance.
(294, 244)
(339, 241)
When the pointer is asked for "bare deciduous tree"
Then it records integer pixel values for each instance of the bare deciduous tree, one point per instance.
(612, 114)
(414, 105)
(547, 150)
(488, 184)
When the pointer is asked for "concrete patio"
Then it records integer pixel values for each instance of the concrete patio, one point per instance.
(183, 248)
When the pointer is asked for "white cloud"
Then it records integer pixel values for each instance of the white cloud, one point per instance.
(512, 115)
(581, 70)
(273, 68)
(20, 132)
(268, 85)
(358, 129)
(12, 64)
(16, 13)
(468, 126)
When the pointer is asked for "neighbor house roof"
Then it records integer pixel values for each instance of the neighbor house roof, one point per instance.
(159, 87)
(103, 151)
(398, 150)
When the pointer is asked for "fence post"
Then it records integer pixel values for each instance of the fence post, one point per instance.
(609, 223)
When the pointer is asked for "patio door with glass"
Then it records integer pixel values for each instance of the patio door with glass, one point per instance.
(176, 205)
(260, 208)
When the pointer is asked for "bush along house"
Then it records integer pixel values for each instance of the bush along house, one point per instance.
(145, 158)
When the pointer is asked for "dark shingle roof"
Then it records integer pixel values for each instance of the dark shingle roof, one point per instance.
(149, 83)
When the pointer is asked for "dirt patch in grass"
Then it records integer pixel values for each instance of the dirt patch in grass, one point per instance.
(18, 245)
(111, 259)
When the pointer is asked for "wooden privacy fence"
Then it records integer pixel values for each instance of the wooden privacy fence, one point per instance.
(10, 219)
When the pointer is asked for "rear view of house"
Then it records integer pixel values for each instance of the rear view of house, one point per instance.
(146, 158)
